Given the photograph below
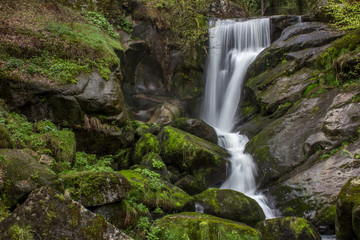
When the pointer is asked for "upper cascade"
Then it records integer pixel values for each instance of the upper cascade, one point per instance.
(233, 46)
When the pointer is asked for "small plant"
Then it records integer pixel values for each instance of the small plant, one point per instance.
(99, 20)
(20, 233)
(157, 164)
(124, 24)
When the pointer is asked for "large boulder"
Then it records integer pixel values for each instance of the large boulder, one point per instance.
(231, 205)
(287, 228)
(347, 210)
(148, 188)
(94, 189)
(196, 127)
(205, 161)
(312, 193)
(47, 214)
(20, 174)
(199, 226)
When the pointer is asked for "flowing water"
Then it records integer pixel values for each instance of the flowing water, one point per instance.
(233, 47)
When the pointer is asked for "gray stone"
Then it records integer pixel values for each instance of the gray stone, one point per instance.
(49, 215)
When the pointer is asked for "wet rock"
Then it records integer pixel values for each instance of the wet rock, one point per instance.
(231, 205)
(347, 213)
(196, 127)
(343, 120)
(205, 161)
(311, 193)
(279, 23)
(49, 215)
(287, 228)
(295, 38)
(21, 173)
(203, 226)
(94, 189)
(317, 141)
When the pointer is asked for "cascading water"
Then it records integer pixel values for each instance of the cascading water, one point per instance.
(233, 46)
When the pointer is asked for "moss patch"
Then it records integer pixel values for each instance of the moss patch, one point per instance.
(202, 226)
(50, 43)
(149, 189)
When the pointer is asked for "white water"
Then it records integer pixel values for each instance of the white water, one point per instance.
(233, 46)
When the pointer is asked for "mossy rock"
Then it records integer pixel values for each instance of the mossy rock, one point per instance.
(148, 143)
(124, 214)
(148, 188)
(230, 204)
(22, 173)
(155, 163)
(193, 155)
(199, 226)
(285, 228)
(47, 214)
(196, 127)
(346, 210)
(62, 145)
(192, 184)
(94, 189)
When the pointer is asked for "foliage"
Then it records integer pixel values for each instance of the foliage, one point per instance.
(89, 163)
(185, 18)
(157, 164)
(42, 137)
(124, 24)
(346, 13)
(100, 21)
(20, 233)
(56, 46)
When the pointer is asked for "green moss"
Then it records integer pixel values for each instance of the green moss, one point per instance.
(95, 228)
(148, 143)
(60, 45)
(309, 88)
(201, 226)
(89, 188)
(17, 232)
(149, 189)
(287, 228)
(185, 151)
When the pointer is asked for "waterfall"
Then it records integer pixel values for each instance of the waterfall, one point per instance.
(233, 46)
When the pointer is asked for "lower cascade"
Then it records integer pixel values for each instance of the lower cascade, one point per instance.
(233, 46)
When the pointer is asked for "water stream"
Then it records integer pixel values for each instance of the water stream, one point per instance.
(233, 46)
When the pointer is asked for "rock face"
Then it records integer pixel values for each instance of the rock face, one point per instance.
(347, 210)
(231, 205)
(302, 119)
(312, 193)
(94, 189)
(202, 226)
(49, 215)
(16, 187)
(205, 162)
(287, 228)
